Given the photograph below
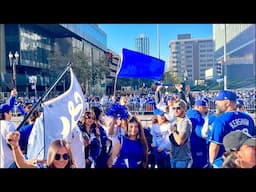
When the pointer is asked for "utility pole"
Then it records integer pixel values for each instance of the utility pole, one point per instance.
(158, 41)
(225, 58)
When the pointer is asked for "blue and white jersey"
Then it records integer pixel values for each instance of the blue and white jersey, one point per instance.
(227, 122)
(211, 119)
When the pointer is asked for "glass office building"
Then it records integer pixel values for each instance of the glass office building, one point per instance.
(34, 43)
(240, 52)
(142, 44)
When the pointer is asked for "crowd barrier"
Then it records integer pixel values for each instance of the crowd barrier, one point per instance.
(143, 109)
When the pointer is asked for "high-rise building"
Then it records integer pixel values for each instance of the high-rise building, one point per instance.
(190, 58)
(236, 44)
(142, 44)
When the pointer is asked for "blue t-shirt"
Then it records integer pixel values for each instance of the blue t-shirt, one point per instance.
(24, 135)
(131, 154)
(198, 144)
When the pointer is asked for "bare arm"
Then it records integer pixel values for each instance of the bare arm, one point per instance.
(111, 127)
(184, 132)
(213, 151)
(13, 139)
(181, 94)
(115, 153)
(178, 138)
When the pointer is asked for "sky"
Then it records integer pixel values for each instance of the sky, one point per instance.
(123, 35)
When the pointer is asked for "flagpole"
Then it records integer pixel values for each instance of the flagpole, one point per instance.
(115, 86)
(117, 72)
(158, 40)
(115, 83)
(44, 96)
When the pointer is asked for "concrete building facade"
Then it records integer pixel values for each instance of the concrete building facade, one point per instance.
(190, 58)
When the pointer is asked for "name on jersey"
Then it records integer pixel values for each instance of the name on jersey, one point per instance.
(237, 122)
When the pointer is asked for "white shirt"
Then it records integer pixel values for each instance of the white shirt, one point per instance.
(35, 148)
(77, 147)
(161, 135)
(6, 156)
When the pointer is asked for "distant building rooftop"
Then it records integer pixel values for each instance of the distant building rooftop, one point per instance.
(184, 36)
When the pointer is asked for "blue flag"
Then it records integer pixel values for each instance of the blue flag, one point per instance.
(59, 120)
(138, 65)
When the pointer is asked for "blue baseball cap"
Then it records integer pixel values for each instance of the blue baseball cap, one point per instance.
(201, 102)
(226, 95)
(161, 112)
(206, 99)
(4, 108)
(158, 112)
(240, 102)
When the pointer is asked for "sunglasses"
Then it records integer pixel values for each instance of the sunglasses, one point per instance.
(90, 118)
(176, 108)
(65, 156)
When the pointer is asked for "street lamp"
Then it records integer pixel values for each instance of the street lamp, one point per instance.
(13, 59)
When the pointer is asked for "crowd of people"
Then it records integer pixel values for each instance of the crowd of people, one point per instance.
(185, 133)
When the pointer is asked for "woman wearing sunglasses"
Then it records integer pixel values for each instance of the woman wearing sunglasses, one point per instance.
(92, 138)
(59, 154)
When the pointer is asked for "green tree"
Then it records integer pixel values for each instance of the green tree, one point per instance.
(82, 69)
(170, 78)
(88, 73)
(100, 69)
(57, 62)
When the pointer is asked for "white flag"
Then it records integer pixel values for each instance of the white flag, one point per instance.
(60, 119)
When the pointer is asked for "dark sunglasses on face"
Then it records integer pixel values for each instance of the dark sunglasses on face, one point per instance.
(88, 117)
(65, 156)
(29, 107)
(176, 108)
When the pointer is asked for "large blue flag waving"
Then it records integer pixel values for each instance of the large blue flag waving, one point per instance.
(60, 116)
(138, 65)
